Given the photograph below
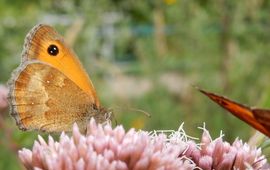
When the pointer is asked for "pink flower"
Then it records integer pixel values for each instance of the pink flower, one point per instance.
(3, 98)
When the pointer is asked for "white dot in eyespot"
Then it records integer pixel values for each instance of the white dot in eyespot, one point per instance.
(32, 103)
(48, 81)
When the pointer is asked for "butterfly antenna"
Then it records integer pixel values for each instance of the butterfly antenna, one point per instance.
(140, 111)
(133, 109)
(198, 88)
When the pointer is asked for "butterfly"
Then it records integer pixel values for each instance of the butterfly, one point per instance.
(255, 117)
(50, 90)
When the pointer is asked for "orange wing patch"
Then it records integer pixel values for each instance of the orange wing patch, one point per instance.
(257, 118)
(35, 48)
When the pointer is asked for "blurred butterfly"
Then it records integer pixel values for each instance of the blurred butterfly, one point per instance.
(255, 117)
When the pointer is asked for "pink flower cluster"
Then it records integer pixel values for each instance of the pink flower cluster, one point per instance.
(217, 154)
(106, 148)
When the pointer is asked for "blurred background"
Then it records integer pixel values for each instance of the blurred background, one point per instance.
(146, 55)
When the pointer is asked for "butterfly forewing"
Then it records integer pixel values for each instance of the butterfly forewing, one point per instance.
(37, 42)
(257, 118)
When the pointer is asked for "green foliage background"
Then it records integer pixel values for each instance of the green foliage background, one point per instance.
(161, 48)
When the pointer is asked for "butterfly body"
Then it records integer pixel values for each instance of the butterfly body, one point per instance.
(50, 90)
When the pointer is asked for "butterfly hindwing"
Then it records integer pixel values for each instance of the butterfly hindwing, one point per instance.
(43, 98)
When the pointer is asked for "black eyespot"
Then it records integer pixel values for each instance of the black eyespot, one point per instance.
(53, 50)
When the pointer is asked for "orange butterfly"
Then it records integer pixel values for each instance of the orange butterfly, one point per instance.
(50, 90)
(256, 117)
